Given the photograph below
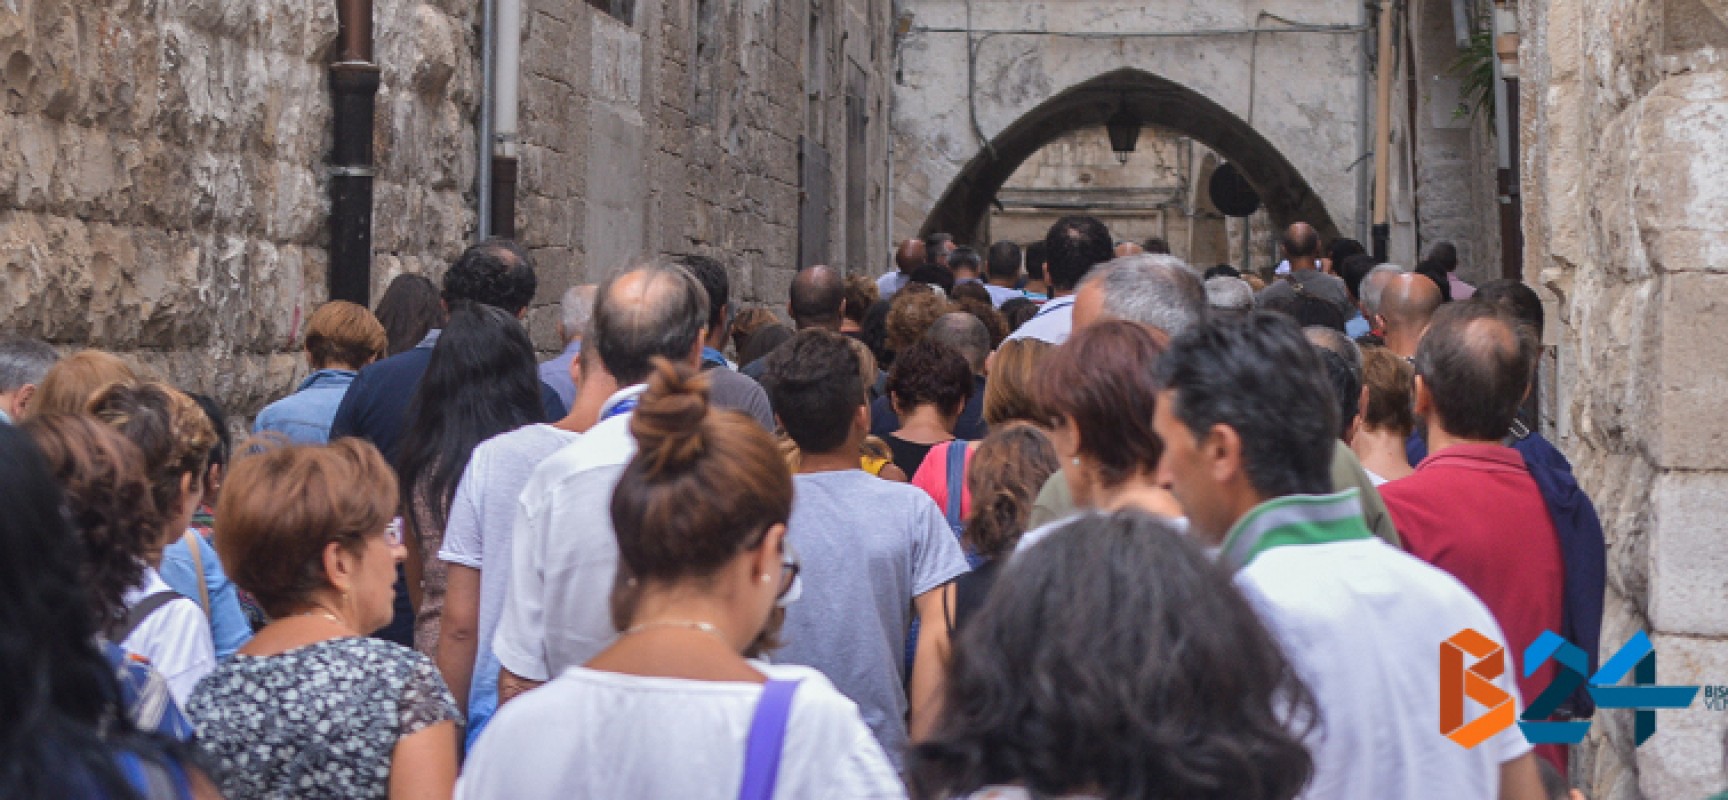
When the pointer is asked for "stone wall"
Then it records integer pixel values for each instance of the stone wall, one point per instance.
(1625, 132)
(1455, 155)
(162, 188)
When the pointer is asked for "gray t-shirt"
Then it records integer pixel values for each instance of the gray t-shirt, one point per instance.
(1315, 282)
(739, 392)
(479, 532)
(867, 548)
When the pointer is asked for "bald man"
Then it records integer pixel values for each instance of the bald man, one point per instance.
(1126, 249)
(1300, 246)
(1407, 304)
(908, 257)
(818, 300)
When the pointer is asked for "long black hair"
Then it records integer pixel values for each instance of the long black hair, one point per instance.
(409, 308)
(482, 381)
(1116, 659)
(59, 699)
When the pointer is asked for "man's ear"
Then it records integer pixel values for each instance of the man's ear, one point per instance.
(696, 348)
(1424, 399)
(1223, 450)
(21, 399)
(862, 418)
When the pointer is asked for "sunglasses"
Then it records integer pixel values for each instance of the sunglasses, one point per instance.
(789, 568)
(393, 532)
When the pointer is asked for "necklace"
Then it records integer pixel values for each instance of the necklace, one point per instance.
(325, 614)
(705, 627)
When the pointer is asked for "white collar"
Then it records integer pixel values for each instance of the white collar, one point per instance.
(626, 394)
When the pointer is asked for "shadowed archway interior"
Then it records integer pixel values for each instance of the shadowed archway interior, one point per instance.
(1286, 195)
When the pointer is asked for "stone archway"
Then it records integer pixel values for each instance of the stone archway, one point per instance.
(1287, 196)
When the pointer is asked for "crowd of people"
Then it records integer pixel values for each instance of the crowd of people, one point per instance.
(1074, 519)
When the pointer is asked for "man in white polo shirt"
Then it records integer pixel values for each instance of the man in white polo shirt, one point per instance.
(564, 557)
(1073, 247)
(1362, 621)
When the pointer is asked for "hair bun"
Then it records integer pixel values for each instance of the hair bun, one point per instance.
(668, 425)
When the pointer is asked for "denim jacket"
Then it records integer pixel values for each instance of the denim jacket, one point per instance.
(304, 416)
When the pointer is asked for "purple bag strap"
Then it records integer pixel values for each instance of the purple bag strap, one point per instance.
(767, 736)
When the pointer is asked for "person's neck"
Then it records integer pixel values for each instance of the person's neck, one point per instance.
(1139, 493)
(1057, 291)
(805, 325)
(839, 459)
(926, 424)
(1401, 343)
(1303, 265)
(1439, 439)
(1382, 452)
(718, 342)
(1003, 283)
(585, 411)
(848, 326)
(683, 632)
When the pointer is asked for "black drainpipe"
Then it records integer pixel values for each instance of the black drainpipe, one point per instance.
(353, 90)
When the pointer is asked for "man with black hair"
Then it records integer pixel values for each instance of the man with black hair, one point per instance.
(1444, 257)
(816, 300)
(937, 248)
(851, 622)
(1074, 246)
(966, 264)
(1156, 246)
(1472, 369)
(1360, 620)
(1002, 268)
(497, 273)
(1300, 246)
(564, 556)
(1352, 270)
(727, 388)
(1037, 286)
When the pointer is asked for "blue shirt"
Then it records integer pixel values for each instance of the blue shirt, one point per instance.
(304, 417)
(229, 630)
(556, 373)
(1357, 326)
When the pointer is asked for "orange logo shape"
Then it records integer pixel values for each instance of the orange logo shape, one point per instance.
(1475, 682)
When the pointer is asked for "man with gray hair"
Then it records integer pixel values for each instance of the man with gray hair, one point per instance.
(23, 364)
(564, 557)
(1373, 289)
(574, 312)
(1230, 297)
(1156, 290)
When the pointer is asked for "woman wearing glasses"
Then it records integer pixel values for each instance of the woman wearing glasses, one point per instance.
(675, 707)
(312, 707)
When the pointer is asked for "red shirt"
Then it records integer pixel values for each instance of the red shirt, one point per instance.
(1475, 512)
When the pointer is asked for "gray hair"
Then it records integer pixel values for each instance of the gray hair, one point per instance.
(1333, 339)
(661, 314)
(966, 334)
(1372, 289)
(23, 362)
(1152, 289)
(1229, 295)
(577, 310)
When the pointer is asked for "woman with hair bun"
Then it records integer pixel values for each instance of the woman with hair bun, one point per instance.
(674, 707)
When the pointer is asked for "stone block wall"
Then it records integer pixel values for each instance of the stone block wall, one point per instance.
(162, 164)
(164, 193)
(1625, 122)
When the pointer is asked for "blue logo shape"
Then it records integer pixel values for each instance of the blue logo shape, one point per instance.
(1573, 665)
(1637, 657)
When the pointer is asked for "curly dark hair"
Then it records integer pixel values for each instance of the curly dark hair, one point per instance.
(108, 497)
(497, 272)
(930, 373)
(1049, 692)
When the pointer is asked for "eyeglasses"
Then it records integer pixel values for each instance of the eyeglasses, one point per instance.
(393, 532)
(789, 568)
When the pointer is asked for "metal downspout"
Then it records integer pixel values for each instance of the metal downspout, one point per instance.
(354, 79)
(483, 169)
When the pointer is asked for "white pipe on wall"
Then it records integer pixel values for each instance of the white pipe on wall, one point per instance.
(506, 76)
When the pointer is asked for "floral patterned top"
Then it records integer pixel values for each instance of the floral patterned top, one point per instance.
(317, 721)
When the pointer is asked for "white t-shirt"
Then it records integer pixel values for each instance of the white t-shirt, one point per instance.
(481, 523)
(1362, 622)
(631, 736)
(175, 638)
(1053, 323)
(564, 556)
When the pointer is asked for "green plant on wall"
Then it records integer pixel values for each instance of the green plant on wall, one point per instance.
(1474, 68)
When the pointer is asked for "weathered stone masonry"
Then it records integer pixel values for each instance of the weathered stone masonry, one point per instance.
(162, 189)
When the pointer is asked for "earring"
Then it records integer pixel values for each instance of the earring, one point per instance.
(1076, 461)
(765, 577)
